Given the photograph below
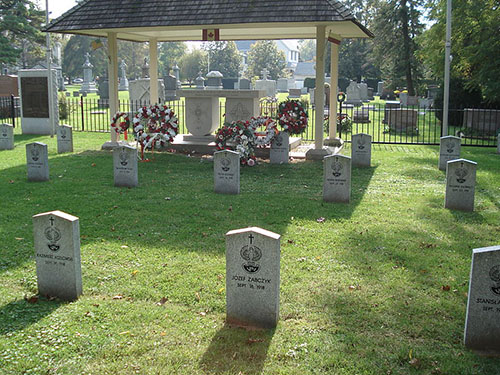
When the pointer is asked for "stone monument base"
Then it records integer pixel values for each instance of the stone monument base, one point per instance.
(318, 154)
(334, 142)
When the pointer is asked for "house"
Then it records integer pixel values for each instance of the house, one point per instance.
(289, 48)
(303, 70)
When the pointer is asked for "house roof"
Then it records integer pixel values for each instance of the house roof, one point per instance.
(168, 20)
(306, 69)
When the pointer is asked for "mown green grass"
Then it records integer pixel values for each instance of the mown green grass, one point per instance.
(361, 293)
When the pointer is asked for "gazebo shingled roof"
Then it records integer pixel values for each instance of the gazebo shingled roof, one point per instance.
(168, 20)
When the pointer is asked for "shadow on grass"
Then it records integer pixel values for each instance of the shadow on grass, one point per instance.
(237, 351)
(19, 314)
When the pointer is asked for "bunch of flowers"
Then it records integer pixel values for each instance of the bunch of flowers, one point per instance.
(122, 126)
(155, 125)
(292, 116)
(237, 134)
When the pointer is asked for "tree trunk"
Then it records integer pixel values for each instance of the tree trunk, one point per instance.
(407, 47)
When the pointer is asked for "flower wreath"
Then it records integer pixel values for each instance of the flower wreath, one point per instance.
(123, 125)
(262, 139)
(155, 124)
(240, 134)
(292, 116)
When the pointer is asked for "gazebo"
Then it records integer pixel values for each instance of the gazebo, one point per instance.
(156, 21)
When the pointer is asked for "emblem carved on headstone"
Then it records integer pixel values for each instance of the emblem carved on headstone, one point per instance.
(225, 164)
(123, 158)
(461, 173)
(495, 276)
(53, 235)
(337, 168)
(35, 154)
(278, 140)
(63, 132)
(450, 146)
(361, 143)
(252, 255)
(4, 131)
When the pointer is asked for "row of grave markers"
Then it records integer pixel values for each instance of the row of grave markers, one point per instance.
(253, 277)
(64, 138)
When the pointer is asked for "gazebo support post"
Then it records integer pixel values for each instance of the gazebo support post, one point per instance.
(153, 71)
(113, 86)
(332, 139)
(319, 152)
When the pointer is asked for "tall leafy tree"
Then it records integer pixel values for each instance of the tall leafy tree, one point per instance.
(264, 54)
(169, 54)
(396, 25)
(74, 54)
(20, 36)
(475, 45)
(192, 63)
(307, 49)
(224, 57)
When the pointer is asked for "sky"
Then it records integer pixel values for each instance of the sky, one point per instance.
(57, 7)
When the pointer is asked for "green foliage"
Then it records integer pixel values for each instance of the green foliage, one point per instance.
(133, 54)
(64, 109)
(74, 57)
(475, 45)
(192, 63)
(264, 54)
(20, 36)
(307, 49)
(169, 54)
(224, 57)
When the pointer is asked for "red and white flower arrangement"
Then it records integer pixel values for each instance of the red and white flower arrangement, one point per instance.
(122, 126)
(292, 116)
(155, 125)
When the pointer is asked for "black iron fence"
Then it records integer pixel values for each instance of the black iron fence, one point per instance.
(385, 122)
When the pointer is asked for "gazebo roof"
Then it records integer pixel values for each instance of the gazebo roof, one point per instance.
(182, 20)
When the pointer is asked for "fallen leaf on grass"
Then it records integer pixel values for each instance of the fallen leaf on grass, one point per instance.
(163, 333)
(118, 296)
(197, 296)
(19, 238)
(93, 164)
(124, 333)
(230, 208)
(162, 301)
(11, 181)
(320, 219)
(124, 247)
(221, 290)
(291, 241)
(88, 314)
(415, 362)
(32, 299)
(202, 313)
(134, 272)
(445, 288)
(253, 341)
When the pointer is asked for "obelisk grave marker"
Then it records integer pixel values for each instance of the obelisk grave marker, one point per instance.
(57, 254)
(482, 323)
(252, 277)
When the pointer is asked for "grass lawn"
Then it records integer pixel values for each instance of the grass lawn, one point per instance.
(379, 287)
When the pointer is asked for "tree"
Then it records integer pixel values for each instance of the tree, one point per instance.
(475, 45)
(191, 64)
(307, 49)
(224, 57)
(264, 54)
(20, 36)
(133, 53)
(170, 53)
(396, 25)
(74, 57)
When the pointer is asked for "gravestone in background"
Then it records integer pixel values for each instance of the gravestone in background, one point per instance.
(294, 93)
(483, 121)
(482, 322)
(252, 277)
(123, 85)
(214, 80)
(361, 150)
(380, 88)
(337, 178)
(227, 172)
(88, 85)
(64, 139)
(389, 106)
(402, 119)
(449, 149)
(266, 85)
(37, 161)
(282, 84)
(280, 147)
(57, 254)
(6, 137)
(460, 184)
(353, 94)
(245, 84)
(125, 166)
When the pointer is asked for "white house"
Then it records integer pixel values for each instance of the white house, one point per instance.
(289, 48)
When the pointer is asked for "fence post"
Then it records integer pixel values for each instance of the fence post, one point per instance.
(83, 117)
(13, 110)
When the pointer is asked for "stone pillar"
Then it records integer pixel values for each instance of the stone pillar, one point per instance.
(113, 85)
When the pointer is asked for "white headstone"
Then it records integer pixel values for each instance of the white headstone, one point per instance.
(482, 322)
(36, 114)
(282, 84)
(363, 91)
(227, 172)
(361, 151)
(57, 254)
(64, 139)
(252, 277)
(37, 161)
(280, 147)
(6, 137)
(125, 166)
(337, 178)
(460, 184)
(353, 94)
(449, 149)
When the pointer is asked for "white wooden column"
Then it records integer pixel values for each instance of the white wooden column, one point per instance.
(113, 79)
(334, 82)
(153, 70)
(319, 92)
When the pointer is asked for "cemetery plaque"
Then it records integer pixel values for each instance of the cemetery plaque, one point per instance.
(460, 184)
(361, 152)
(37, 161)
(35, 97)
(64, 139)
(6, 137)
(252, 277)
(449, 149)
(57, 254)
(482, 322)
(280, 146)
(227, 172)
(125, 166)
(337, 179)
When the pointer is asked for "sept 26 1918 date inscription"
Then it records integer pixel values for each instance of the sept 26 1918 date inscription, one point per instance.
(35, 99)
